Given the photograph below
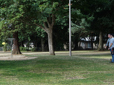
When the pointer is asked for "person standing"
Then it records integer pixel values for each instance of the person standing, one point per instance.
(111, 47)
(109, 37)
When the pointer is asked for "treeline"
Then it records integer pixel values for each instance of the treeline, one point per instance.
(45, 22)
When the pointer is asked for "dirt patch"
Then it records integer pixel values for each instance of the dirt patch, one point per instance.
(16, 57)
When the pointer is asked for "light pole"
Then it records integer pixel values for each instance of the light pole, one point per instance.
(70, 53)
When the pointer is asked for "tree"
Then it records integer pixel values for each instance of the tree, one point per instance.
(101, 10)
(45, 14)
(36, 35)
(40, 13)
(103, 22)
(10, 15)
(80, 22)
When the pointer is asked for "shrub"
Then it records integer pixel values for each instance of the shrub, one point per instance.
(23, 49)
(5, 47)
(33, 49)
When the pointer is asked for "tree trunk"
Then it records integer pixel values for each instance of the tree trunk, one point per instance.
(50, 42)
(42, 44)
(100, 46)
(48, 28)
(16, 49)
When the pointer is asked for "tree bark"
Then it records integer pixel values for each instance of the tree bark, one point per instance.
(15, 48)
(50, 42)
(100, 46)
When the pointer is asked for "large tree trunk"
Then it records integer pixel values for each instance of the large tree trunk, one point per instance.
(50, 42)
(48, 28)
(100, 46)
(16, 49)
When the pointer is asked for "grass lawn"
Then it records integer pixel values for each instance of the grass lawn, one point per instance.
(58, 70)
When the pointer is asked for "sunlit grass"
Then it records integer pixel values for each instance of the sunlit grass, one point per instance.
(58, 70)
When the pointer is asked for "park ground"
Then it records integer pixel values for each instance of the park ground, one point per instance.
(82, 68)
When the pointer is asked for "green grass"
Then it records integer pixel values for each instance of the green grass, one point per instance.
(58, 70)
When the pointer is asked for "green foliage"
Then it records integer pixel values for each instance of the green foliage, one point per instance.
(23, 13)
(23, 48)
(55, 4)
(33, 49)
(1, 43)
(5, 47)
(40, 32)
(97, 15)
(80, 22)
(10, 12)
(1, 24)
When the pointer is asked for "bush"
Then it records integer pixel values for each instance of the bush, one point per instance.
(23, 49)
(5, 47)
(33, 49)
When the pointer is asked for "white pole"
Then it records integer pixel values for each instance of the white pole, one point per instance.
(70, 53)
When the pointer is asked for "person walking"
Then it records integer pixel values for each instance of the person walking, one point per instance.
(111, 47)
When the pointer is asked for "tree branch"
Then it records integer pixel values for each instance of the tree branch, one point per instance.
(48, 23)
(40, 26)
(37, 24)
